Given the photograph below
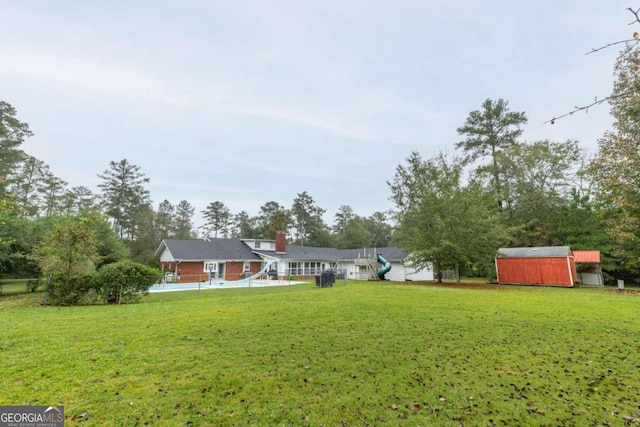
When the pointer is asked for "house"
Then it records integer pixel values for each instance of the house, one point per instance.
(589, 268)
(198, 260)
(546, 265)
(234, 259)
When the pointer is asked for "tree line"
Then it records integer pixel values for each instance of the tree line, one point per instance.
(33, 201)
(453, 210)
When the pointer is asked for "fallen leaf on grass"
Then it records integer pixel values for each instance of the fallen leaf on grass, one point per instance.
(82, 416)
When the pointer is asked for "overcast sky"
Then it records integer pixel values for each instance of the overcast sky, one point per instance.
(251, 101)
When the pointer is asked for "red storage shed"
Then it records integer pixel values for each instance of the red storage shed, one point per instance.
(546, 265)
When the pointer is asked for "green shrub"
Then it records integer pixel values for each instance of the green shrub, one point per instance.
(33, 284)
(63, 290)
(123, 281)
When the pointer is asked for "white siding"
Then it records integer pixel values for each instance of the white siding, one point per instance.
(396, 273)
(165, 256)
(413, 274)
(349, 269)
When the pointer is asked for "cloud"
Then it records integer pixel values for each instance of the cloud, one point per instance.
(91, 75)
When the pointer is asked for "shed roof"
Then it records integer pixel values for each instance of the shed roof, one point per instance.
(535, 252)
(587, 257)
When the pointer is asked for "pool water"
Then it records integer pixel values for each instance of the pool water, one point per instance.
(171, 287)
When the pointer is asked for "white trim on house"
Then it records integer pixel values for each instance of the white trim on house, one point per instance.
(262, 244)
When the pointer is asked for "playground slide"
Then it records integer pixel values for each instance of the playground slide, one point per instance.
(264, 269)
(247, 279)
(386, 266)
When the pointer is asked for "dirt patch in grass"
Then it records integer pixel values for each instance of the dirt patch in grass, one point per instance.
(465, 285)
(632, 292)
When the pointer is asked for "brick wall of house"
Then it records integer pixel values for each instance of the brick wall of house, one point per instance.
(233, 271)
(190, 272)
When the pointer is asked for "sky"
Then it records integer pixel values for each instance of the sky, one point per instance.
(249, 101)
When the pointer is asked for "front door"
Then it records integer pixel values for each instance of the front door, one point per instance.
(221, 270)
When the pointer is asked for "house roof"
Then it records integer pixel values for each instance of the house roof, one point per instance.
(389, 253)
(235, 249)
(314, 253)
(535, 252)
(201, 250)
(304, 253)
(587, 257)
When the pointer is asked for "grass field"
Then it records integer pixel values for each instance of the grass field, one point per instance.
(360, 354)
(12, 286)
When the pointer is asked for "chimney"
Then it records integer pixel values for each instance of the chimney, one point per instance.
(281, 242)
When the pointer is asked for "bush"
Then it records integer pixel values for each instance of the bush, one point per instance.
(123, 281)
(33, 284)
(61, 290)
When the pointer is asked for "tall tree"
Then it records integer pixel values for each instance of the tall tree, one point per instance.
(441, 221)
(217, 216)
(53, 190)
(306, 218)
(539, 176)
(165, 220)
(10, 229)
(379, 228)
(243, 226)
(183, 221)
(279, 222)
(580, 226)
(77, 200)
(123, 194)
(342, 218)
(265, 218)
(12, 135)
(354, 235)
(615, 167)
(109, 247)
(26, 183)
(488, 132)
(145, 236)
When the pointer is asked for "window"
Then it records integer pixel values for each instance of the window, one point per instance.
(305, 268)
(246, 266)
(295, 268)
(311, 268)
(257, 245)
(210, 266)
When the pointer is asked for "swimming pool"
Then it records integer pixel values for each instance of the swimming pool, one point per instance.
(172, 287)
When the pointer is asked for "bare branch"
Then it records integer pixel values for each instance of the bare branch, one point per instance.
(611, 44)
(585, 108)
(635, 13)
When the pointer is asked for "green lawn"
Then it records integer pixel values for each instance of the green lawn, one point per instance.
(367, 353)
(12, 286)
